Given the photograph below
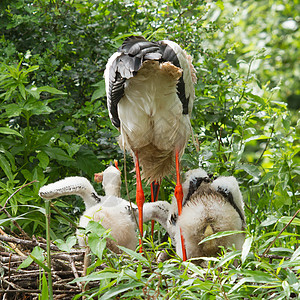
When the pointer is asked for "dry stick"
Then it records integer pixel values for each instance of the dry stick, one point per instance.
(86, 263)
(282, 230)
(12, 245)
(74, 270)
(222, 288)
(253, 213)
(15, 223)
(31, 243)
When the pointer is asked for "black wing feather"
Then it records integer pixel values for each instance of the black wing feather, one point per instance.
(134, 51)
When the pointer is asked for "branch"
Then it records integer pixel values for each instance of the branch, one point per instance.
(282, 230)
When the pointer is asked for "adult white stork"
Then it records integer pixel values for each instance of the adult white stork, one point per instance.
(150, 94)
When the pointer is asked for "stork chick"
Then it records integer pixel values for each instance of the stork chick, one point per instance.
(150, 94)
(209, 206)
(113, 212)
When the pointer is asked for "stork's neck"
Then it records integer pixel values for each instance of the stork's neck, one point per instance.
(112, 190)
(157, 211)
(75, 185)
(90, 199)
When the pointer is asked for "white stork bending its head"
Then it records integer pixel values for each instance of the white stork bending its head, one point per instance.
(209, 206)
(150, 94)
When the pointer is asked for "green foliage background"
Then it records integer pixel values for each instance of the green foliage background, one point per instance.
(54, 121)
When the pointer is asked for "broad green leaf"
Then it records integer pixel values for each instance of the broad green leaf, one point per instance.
(296, 254)
(134, 254)
(246, 248)
(120, 289)
(220, 234)
(100, 91)
(229, 256)
(45, 293)
(37, 253)
(31, 69)
(139, 271)
(12, 110)
(50, 90)
(250, 169)
(57, 153)
(286, 289)
(257, 137)
(9, 131)
(44, 159)
(285, 220)
(40, 263)
(96, 277)
(270, 220)
(22, 91)
(66, 245)
(5, 166)
(45, 138)
(96, 244)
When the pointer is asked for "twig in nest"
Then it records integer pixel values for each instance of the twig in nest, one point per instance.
(12, 245)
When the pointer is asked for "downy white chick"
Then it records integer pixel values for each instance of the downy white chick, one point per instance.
(209, 206)
(114, 212)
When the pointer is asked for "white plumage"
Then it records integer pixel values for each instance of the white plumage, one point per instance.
(114, 213)
(146, 108)
(150, 94)
(209, 206)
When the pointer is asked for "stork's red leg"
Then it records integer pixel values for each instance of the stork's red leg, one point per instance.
(179, 197)
(140, 198)
(154, 195)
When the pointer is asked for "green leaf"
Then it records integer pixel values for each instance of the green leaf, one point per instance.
(285, 220)
(57, 153)
(246, 248)
(22, 91)
(50, 90)
(96, 244)
(135, 255)
(257, 137)
(36, 253)
(219, 235)
(100, 92)
(44, 159)
(8, 131)
(250, 169)
(5, 166)
(139, 271)
(45, 293)
(103, 275)
(45, 138)
(66, 245)
(270, 220)
(119, 289)
(12, 110)
(31, 69)
(87, 161)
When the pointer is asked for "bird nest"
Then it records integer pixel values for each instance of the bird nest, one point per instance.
(26, 283)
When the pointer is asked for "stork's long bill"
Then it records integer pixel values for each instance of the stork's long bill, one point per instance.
(150, 94)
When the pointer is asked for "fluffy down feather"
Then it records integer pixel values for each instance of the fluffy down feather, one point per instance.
(113, 212)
